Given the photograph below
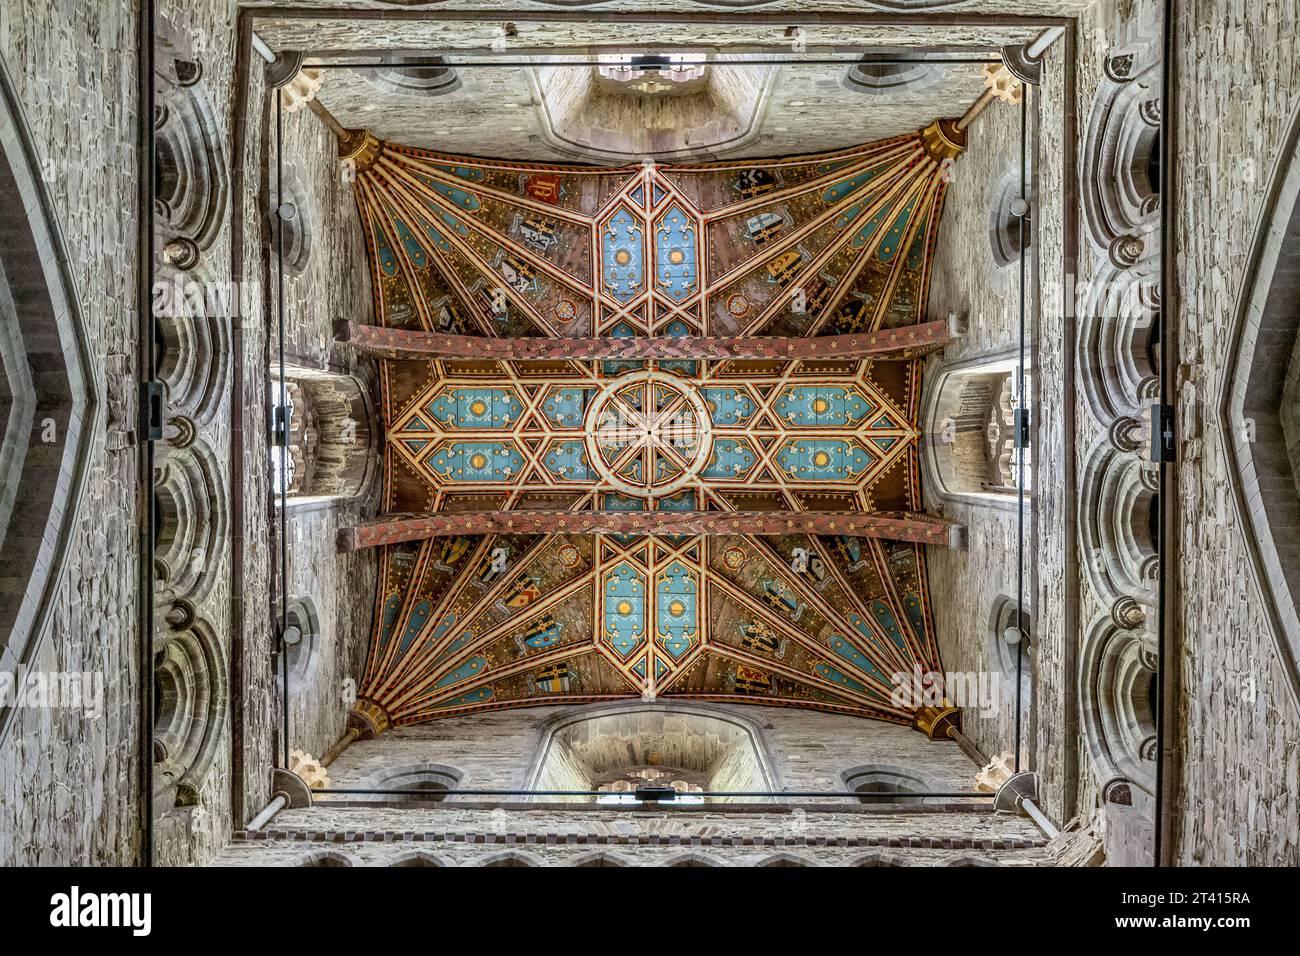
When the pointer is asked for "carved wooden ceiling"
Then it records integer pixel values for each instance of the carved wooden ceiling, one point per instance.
(799, 246)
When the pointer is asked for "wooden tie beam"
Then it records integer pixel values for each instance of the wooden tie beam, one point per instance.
(895, 526)
(904, 343)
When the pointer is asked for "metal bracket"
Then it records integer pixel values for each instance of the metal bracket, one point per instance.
(1164, 434)
(292, 787)
(280, 427)
(151, 410)
(1022, 427)
(1020, 786)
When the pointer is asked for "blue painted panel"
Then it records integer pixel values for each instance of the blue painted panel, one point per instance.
(682, 501)
(486, 408)
(456, 644)
(391, 608)
(567, 461)
(676, 608)
(850, 653)
(479, 696)
(825, 406)
(823, 459)
(414, 251)
(826, 672)
(461, 198)
(730, 459)
(894, 238)
(622, 250)
(915, 613)
(841, 190)
(867, 231)
(728, 405)
(414, 625)
(477, 461)
(472, 173)
(884, 616)
(387, 261)
(624, 610)
(676, 268)
(916, 252)
(462, 672)
(566, 407)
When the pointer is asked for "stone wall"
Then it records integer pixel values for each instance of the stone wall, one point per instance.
(332, 284)
(804, 751)
(69, 785)
(450, 835)
(1238, 728)
(965, 584)
(807, 751)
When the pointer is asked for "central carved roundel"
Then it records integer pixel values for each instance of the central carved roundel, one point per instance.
(647, 433)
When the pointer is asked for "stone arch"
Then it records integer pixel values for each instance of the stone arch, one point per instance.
(191, 316)
(48, 383)
(332, 435)
(1258, 423)
(190, 523)
(1117, 674)
(1005, 615)
(785, 858)
(968, 412)
(1121, 189)
(291, 215)
(874, 782)
(588, 113)
(1119, 340)
(691, 858)
(413, 858)
(191, 174)
(1006, 237)
(425, 782)
(304, 622)
(190, 699)
(875, 859)
(871, 76)
(576, 748)
(327, 858)
(433, 77)
(600, 858)
(511, 858)
(1119, 501)
(971, 861)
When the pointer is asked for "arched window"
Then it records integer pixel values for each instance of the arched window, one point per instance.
(1260, 415)
(327, 421)
(616, 749)
(48, 382)
(969, 417)
(418, 75)
(879, 73)
(327, 858)
(889, 784)
(414, 783)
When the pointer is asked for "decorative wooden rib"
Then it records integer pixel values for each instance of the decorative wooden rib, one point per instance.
(896, 526)
(904, 343)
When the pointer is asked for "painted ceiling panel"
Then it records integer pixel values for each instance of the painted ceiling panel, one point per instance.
(801, 245)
